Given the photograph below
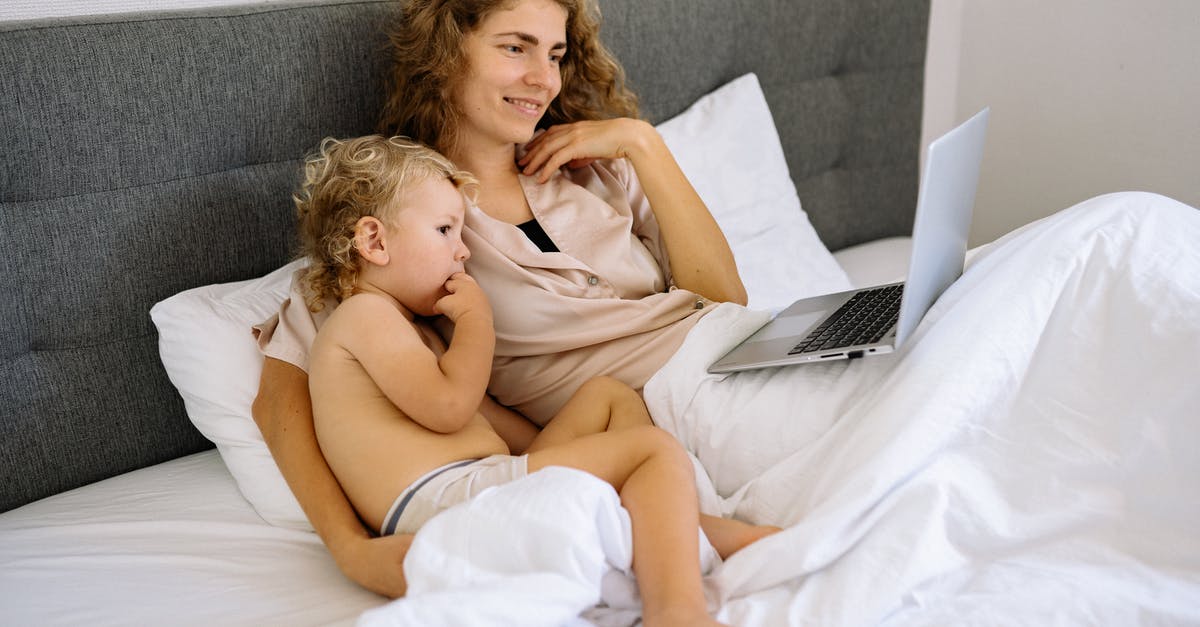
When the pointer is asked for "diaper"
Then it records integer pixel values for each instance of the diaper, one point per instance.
(447, 486)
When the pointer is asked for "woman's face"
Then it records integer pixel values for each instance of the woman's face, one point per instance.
(513, 74)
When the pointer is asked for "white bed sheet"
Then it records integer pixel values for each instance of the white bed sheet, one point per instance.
(175, 544)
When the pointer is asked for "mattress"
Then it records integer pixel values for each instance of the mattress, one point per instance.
(176, 539)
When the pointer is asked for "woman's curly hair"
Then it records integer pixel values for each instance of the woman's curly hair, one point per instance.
(344, 181)
(428, 56)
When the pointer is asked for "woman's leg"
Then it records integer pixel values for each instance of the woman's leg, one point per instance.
(654, 477)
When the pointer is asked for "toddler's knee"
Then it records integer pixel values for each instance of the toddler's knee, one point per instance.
(617, 395)
(609, 388)
(659, 442)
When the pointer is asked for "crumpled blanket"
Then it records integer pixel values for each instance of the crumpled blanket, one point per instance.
(1028, 457)
(539, 551)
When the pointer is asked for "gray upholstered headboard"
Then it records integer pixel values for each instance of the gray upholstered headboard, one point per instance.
(146, 154)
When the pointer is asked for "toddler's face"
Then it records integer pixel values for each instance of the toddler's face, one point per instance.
(426, 244)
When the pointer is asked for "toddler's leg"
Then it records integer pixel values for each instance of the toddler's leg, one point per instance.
(600, 404)
(605, 404)
(728, 536)
(654, 477)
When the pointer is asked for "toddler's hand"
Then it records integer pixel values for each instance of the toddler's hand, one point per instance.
(465, 297)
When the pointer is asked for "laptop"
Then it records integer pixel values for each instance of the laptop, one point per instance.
(877, 320)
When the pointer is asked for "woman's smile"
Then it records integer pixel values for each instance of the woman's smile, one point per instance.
(526, 107)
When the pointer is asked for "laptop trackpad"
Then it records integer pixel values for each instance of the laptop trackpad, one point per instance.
(802, 314)
(788, 325)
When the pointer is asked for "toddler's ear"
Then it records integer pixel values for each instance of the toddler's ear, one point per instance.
(369, 240)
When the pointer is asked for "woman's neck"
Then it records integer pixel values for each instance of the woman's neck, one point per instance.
(500, 193)
(495, 164)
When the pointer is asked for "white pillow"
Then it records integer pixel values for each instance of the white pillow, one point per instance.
(727, 145)
(209, 352)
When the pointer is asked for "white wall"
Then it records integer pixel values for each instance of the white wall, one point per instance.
(1087, 97)
(31, 9)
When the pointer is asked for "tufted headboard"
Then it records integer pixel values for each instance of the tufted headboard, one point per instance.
(146, 154)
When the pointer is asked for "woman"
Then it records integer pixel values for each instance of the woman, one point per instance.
(633, 257)
(622, 260)
(522, 65)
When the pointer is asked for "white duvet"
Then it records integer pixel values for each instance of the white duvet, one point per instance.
(1029, 457)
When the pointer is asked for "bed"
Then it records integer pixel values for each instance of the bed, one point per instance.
(144, 211)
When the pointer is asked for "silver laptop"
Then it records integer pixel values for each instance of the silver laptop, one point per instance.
(877, 320)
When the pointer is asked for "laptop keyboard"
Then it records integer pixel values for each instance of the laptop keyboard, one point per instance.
(864, 319)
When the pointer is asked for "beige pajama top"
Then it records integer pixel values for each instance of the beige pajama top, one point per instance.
(603, 305)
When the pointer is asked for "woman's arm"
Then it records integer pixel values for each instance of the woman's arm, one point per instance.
(283, 412)
(700, 257)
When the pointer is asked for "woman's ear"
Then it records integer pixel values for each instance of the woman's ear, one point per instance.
(369, 240)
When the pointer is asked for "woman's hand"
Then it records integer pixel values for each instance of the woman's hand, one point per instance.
(700, 258)
(377, 564)
(579, 143)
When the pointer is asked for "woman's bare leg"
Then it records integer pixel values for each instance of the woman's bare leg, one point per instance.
(656, 482)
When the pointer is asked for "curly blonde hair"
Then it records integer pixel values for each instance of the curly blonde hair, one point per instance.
(344, 181)
(428, 56)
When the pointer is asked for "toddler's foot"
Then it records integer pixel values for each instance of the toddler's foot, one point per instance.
(728, 536)
(679, 618)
